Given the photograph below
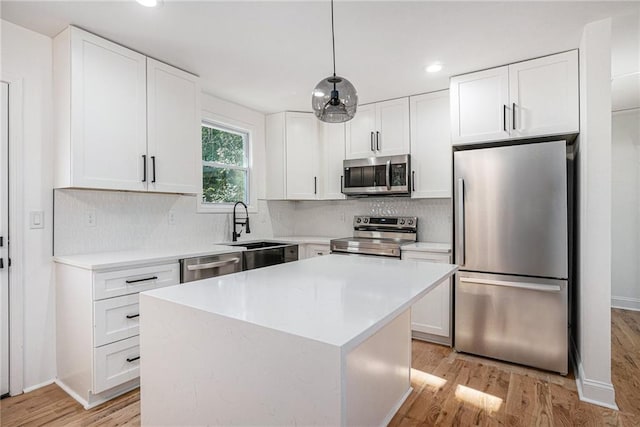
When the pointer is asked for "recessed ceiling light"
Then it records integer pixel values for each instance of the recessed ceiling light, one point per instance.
(434, 68)
(148, 3)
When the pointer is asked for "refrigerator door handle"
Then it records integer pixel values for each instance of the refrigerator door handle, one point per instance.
(519, 285)
(460, 218)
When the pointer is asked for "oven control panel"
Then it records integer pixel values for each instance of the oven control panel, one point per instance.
(385, 222)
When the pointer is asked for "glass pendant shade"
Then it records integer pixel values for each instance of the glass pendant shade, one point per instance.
(334, 100)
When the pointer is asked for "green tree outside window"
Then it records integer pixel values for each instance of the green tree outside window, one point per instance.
(225, 169)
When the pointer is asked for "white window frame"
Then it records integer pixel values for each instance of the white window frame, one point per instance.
(234, 126)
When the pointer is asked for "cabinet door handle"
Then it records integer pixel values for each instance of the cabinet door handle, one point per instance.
(373, 147)
(146, 279)
(132, 316)
(413, 180)
(504, 117)
(342, 183)
(144, 168)
(132, 359)
(153, 164)
(377, 140)
(315, 185)
(513, 116)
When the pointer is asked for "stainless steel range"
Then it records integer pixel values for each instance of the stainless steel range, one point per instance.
(378, 236)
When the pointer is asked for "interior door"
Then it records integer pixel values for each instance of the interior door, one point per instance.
(4, 226)
(511, 210)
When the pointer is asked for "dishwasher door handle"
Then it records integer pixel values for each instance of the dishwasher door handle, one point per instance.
(214, 264)
(519, 285)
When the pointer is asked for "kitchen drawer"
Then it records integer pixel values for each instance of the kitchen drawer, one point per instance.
(426, 256)
(115, 364)
(314, 250)
(110, 284)
(115, 319)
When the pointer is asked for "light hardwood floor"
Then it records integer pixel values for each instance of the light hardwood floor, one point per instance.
(450, 389)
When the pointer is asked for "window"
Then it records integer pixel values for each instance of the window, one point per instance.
(225, 165)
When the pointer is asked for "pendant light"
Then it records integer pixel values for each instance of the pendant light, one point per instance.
(334, 100)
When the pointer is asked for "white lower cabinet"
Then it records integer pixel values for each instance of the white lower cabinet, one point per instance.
(116, 363)
(310, 250)
(431, 316)
(97, 327)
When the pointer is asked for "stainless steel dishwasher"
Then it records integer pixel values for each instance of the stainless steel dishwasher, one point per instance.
(204, 267)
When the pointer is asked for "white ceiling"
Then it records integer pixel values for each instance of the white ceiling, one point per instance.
(269, 55)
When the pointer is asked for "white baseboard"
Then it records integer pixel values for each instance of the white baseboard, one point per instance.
(99, 399)
(591, 391)
(37, 386)
(625, 303)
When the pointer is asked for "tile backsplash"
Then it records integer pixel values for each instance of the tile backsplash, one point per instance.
(128, 220)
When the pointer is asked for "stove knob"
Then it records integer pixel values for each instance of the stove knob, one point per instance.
(410, 222)
(366, 220)
(358, 220)
(402, 222)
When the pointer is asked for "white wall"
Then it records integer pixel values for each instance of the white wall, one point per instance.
(27, 55)
(593, 328)
(625, 138)
(625, 214)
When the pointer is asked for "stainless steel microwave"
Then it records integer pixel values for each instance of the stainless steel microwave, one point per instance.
(377, 176)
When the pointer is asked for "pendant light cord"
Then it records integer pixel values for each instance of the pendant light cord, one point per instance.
(333, 41)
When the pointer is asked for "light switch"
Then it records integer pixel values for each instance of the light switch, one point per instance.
(36, 219)
(90, 218)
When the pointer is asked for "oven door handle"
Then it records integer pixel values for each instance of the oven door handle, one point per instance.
(388, 171)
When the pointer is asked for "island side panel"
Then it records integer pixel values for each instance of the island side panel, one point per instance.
(199, 368)
(377, 374)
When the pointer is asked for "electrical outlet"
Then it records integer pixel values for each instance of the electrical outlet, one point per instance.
(171, 218)
(90, 219)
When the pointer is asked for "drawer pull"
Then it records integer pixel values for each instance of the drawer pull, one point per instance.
(142, 280)
(132, 359)
(132, 316)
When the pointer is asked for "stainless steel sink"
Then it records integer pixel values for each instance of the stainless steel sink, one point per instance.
(264, 254)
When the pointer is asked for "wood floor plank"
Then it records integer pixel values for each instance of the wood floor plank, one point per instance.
(450, 389)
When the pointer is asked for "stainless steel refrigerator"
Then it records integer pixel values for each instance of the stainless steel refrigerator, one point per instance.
(511, 227)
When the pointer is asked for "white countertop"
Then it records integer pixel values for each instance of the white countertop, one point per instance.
(128, 258)
(427, 247)
(120, 259)
(335, 299)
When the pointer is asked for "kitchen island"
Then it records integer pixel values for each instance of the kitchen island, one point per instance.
(323, 341)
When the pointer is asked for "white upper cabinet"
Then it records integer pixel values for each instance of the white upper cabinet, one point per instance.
(361, 133)
(392, 123)
(117, 113)
(430, 145)
(534, 98)
(100, 107)
(479, 106)
(544, 95)
(275, 154)
(302, 159)
(332, 141)
(173, 120)
(380, 129)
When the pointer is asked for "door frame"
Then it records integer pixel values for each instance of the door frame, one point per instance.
(16, 249)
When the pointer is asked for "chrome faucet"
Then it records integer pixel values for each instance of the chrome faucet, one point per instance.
(241, 223)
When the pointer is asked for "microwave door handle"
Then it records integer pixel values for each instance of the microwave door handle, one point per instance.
(388, 174)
